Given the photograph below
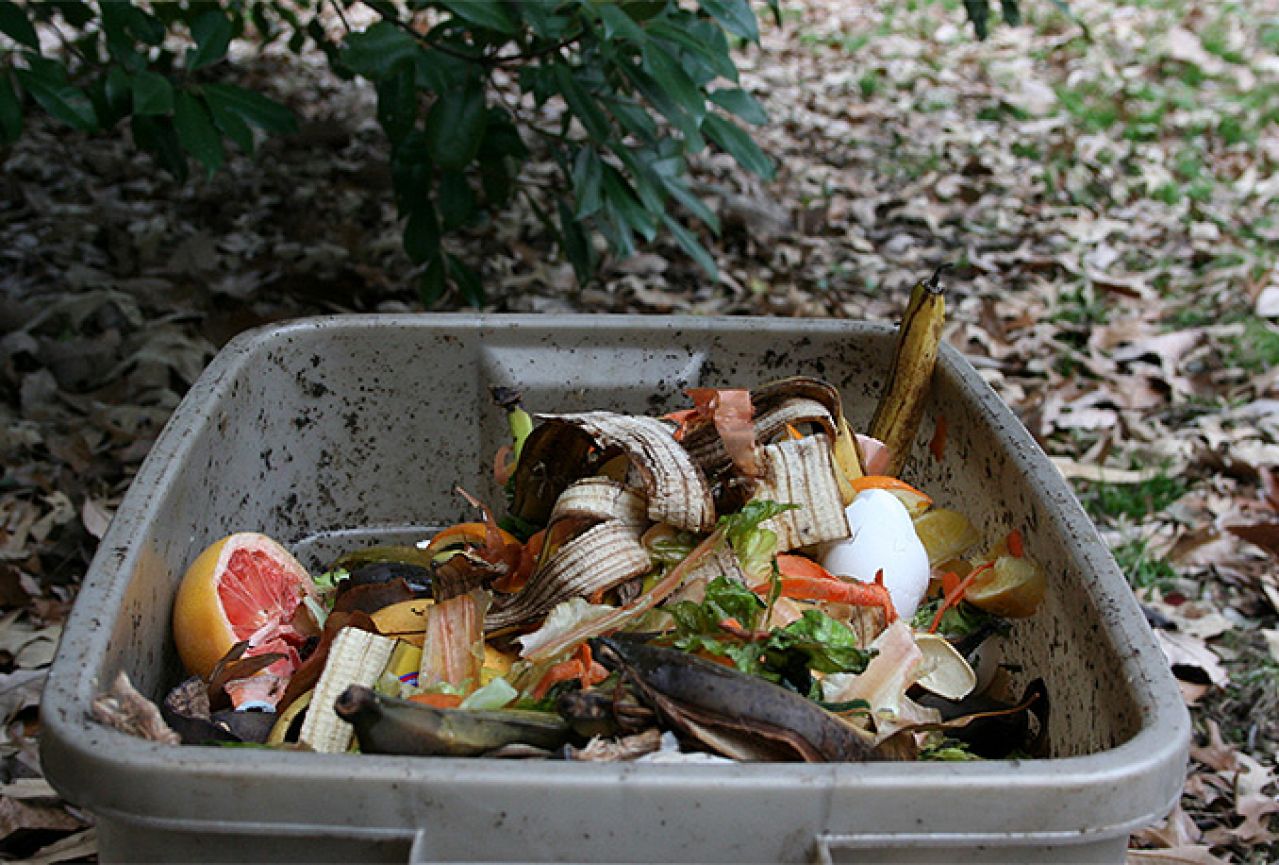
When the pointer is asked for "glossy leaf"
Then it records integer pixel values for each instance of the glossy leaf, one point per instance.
(62, 101)
(736, 142)
(397, 103)
(76, 13)
(740, 103)
(253, 107)
(617, 24)
(152, 93)
(455, 126)
(230, 123)
(196, 131)
(212, 33)
(489, 14)
(157, 135)
(582, 104)
(588, 172)
(14, 24)
(674, 81)
(694, 205)
(374, 52)
(1011, 12)
(624, 202)
(736, 16)
(704, 42)
(689, 243)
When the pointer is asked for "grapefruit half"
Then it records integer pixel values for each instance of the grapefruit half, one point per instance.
(244, 587)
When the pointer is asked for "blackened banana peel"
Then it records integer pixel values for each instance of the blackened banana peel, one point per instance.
(731, 713)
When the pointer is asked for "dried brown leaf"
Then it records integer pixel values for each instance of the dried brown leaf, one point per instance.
(1265, 535)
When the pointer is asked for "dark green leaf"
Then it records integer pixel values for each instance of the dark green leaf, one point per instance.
(742, 104)
(823, 644)
(705, 43)
(112, 96)
(674, 81)
(212, 33)
(637, 121)
(196, 131)
(397, 103)
(467, 281)
(76, 13)
(958, 621)
(432, 283)
(689, 243)
(10, 110)
(437, 71)
(621, 240)
(587, 173)
(422, 233)
(455, 199)
(723, 599)
(385, 8)
(374, 52)
(253, 107)
(1011, 12)
(694, 205)
(501, 137)
(62, 101)
(617, 24)
(495, 179)
(620, 195)
(230, 122)
(455, 126)
(152, 93)
(145, 26)
(157, 135)
(120, 40)
(581, 103)
(489, 14)
(979, 14)
(735, 15)
(640, 163)
(577, 247)
(14, 24)
(738, 143)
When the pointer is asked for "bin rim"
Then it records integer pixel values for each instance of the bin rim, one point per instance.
(71, 737)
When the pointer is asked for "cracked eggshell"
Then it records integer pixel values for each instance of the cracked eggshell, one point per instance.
(882, 535)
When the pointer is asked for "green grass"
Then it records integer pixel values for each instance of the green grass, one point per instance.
(1142, 570)
(1257, 349)
(869, 83)
(1135, 501)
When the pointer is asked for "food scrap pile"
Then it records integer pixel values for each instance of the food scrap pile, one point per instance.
(746, 579)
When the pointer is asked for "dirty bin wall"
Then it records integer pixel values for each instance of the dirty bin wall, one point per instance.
(333, 432)
(330, 440)
(991, 475)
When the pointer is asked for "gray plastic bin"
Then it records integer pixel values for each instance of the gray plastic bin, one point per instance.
(329, 432)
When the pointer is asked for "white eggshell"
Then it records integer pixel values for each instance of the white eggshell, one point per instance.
(882, 536)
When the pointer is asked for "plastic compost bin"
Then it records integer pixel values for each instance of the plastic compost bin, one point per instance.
(331, 433)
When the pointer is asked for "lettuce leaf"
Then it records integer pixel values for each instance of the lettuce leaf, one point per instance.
(825, 645)
(959, 621)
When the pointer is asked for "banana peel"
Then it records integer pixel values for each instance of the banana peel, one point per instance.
(901, 407)
(405, 620)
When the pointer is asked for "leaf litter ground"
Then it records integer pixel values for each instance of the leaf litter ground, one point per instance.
(1109, 203)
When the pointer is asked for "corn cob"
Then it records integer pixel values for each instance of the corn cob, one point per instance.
(357, 657)
(901, 406)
